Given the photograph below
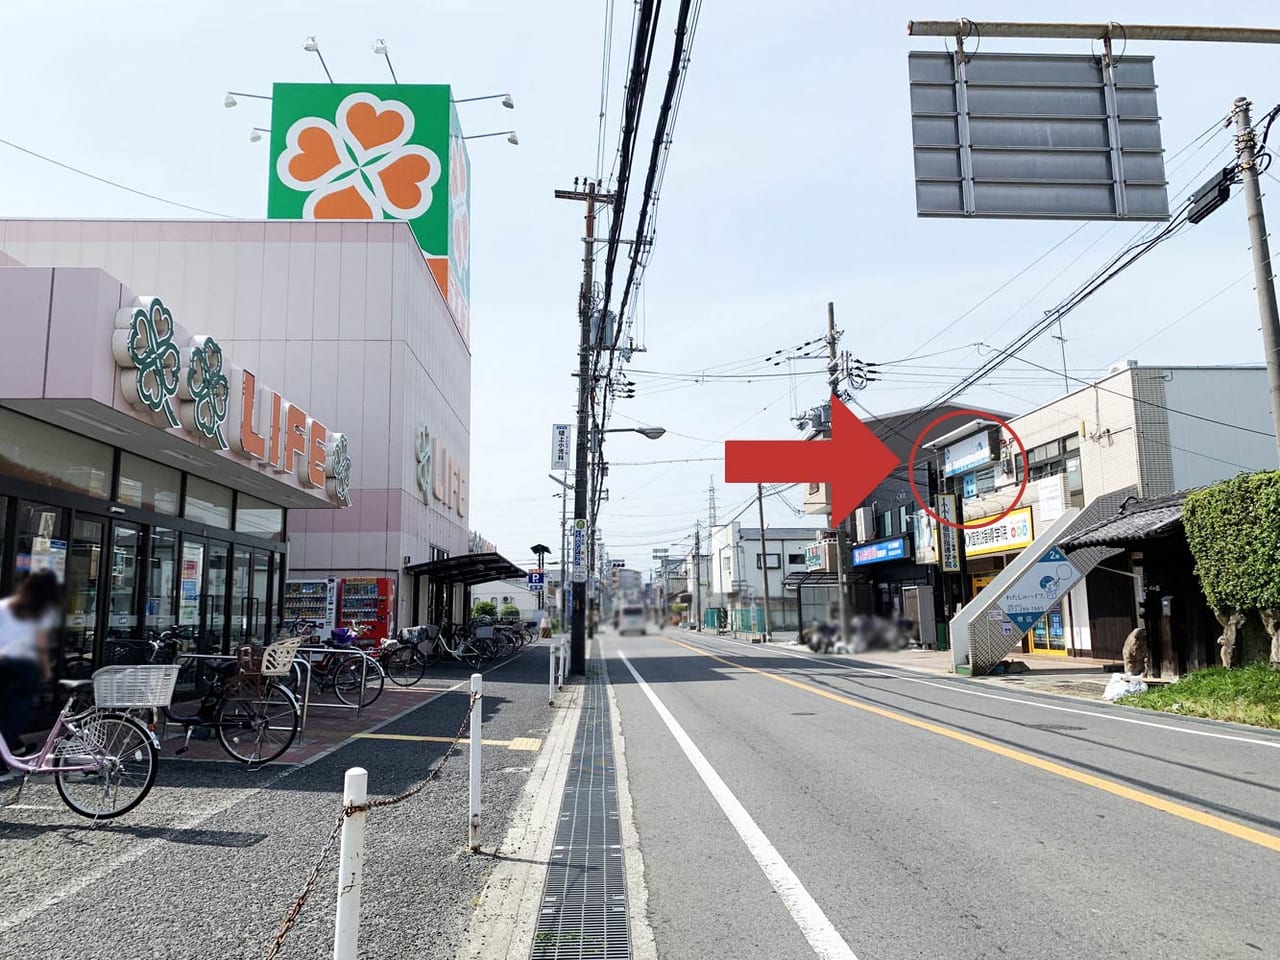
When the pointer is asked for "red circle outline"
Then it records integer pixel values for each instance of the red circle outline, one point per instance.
(915, 448)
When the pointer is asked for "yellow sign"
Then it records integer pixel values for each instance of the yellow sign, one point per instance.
(1009, 535)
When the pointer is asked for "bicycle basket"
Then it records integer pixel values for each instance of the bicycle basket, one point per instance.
(146, 685)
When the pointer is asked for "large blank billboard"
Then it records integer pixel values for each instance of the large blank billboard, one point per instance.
(1036, 136)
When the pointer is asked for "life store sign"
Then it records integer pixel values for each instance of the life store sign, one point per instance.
(185, 383)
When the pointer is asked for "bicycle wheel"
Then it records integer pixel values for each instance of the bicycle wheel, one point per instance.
(405, 666)
(127, 761)
(347, 680)
(257, 721)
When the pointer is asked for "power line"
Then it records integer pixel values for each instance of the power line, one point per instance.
(112, 183)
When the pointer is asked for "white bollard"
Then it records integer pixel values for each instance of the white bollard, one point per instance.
(355, 791)
(552, 647)
(564, 660)
(473, 829)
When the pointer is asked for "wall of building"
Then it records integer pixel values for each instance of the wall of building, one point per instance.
(343, 318)
(1203, 452)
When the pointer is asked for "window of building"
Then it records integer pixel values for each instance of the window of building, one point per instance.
(795, 559)
(143, 483)
(774, 561)
(36, 452)
(258, 516)
(725, 561)
(884, 524)
(207, 503)
(904, 519)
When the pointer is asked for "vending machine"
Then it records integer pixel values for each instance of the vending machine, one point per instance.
(369, 602)
(314, 600)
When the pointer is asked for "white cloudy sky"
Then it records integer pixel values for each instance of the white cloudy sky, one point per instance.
(790, 184)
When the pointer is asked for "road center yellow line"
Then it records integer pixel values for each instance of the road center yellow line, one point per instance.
(531, 744)
(1239, 831)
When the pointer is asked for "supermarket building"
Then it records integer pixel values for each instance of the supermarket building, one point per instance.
(192, 412)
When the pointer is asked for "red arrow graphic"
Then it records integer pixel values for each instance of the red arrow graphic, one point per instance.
(853, 461)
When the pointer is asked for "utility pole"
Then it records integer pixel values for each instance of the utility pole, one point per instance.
(842, 543)
(697, 572)
(581, 535)
(1264, 281)
(764, 562)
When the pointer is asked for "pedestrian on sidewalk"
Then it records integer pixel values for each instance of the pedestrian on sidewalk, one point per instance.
(26, 619)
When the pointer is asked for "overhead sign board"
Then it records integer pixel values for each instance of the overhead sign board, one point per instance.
(560, 433)
(1039, 588)
(879, 552)
(1042, 136)
(969, 453)
(1012, 533)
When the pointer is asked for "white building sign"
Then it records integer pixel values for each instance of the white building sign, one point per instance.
(948, 537)
(968, 454)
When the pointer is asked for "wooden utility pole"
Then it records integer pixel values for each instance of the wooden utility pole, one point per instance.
(581, 535)
(842, 543)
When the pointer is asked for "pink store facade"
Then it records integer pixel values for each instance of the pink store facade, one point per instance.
(316, 422)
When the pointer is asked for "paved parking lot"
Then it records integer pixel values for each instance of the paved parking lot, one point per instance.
(208, 865)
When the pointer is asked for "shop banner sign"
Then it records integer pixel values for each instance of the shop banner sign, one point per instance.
(560, 433)
(1039, 588)
(342, 151)
(579, 551)
(1051, 497)
(894, 549)
(926, 537)
(948, 537)
(1012, 533)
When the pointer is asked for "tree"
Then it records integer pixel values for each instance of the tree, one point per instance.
(484, 608)
(1233, 530)
(509, 610)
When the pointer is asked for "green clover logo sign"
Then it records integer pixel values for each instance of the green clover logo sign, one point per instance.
(207, 389)
(143, 344)
(422, 451)
(337, 468)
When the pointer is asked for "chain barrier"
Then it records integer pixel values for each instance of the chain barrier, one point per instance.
(295, 910)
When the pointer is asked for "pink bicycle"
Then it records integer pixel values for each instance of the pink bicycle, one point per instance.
(102, 761)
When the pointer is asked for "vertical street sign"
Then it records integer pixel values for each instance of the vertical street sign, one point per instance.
(580, 551)
(948, 537)
(560, 444)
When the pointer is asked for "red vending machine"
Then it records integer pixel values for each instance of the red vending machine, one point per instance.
(368, 602)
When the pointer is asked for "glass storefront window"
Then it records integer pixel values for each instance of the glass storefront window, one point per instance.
(122, 617)
(259, 517)
(41, 540)
(208, 503)
(148, 485)
(216, 598)
(190, 582)
(162, 579)
(36, 452)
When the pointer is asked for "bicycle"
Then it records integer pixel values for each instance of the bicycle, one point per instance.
(103, 761)
(256, 717)
(357, 679)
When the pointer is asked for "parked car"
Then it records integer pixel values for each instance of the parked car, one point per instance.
(631, 620)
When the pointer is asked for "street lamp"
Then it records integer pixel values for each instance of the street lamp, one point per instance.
(311, 45)
(506, 99)
(509, 134)
(651, 433)
(230, 100)
(256, 133)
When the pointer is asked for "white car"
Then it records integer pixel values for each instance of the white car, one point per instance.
(631, 620)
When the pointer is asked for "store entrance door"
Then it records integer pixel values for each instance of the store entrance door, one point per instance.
(84, 570)
(1048, 635)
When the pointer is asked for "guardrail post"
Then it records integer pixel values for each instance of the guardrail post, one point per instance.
(473, 828)
(564, 662)
(355, 792)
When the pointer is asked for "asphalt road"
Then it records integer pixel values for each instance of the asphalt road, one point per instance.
(926, 817)
(207, 866)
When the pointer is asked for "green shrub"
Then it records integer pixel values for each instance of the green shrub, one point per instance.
(484, 608)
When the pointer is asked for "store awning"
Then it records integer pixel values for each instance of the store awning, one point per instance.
(809, 578)
(468, 568)
(1135, 521)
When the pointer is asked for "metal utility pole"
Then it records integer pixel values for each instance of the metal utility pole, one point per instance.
(578, 635)
(697, 572)
(564, 521)
(842, 543)
(1263, 279)
(764, 563)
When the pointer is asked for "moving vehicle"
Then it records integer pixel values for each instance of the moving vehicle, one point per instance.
(631, 619)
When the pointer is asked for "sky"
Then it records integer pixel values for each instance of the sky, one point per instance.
(789, 186)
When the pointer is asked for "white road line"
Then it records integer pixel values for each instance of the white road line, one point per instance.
(964, 688)
(813, 923)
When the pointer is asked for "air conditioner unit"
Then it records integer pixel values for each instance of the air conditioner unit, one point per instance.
(864, 524)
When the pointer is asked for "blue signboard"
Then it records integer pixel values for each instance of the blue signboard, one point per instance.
(535, 580)
(894, 549)
(1039, 588)
(970, 486)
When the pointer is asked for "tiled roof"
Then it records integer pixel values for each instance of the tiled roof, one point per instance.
(1136, 520)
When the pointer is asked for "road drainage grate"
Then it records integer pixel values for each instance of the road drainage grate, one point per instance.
(584, 902)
